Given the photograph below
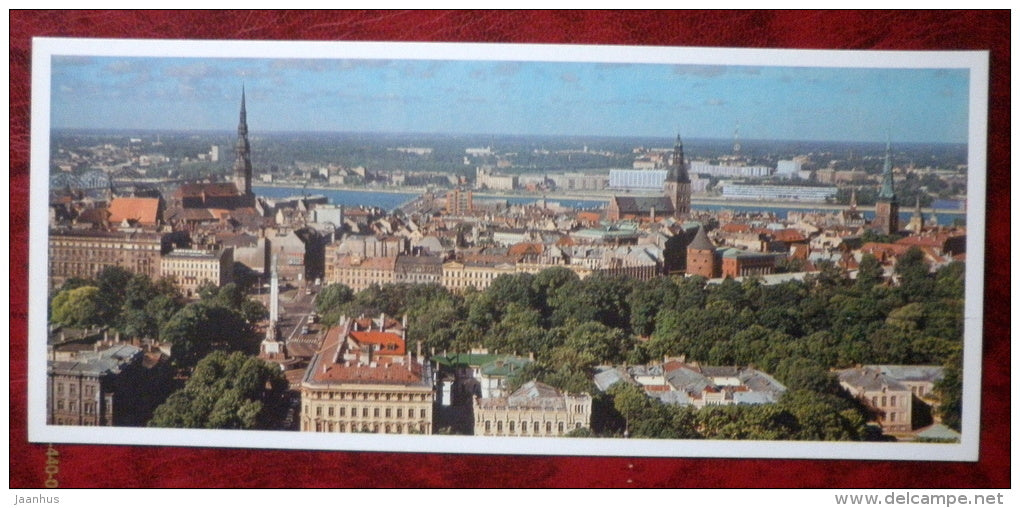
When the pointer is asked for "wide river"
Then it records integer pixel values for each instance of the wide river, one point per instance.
(390, 200)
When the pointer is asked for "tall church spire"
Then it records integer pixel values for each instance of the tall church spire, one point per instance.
(887, 209)
(242, 152)
(887, 191)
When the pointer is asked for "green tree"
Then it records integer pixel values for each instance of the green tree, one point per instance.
(869, 273)
(230, 296)
(160, 309)
(487, 307)
(201, 327)
(646, 300)
(519, 331)
(824, 417)
(112, 282)
(949, 390)
(253, 311)
(949, 281)
(330, 300)
(630, 401)
(77, 307)
(915, 280)
(607, 345)
(226, 392)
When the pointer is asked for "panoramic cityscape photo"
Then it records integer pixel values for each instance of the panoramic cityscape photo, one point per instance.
(507, 248)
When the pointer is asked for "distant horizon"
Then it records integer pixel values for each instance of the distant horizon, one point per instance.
(512, 98)
(669, 139)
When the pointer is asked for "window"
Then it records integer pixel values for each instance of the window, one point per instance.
(400, 413)
(488, 426)
(892, 417)
(883, 400)
(343, 411)
(892, 400)
(388, 411)
(364, 412)
(560, 427)
(318, 410)
(375, 412)
(511, 426)
(548, 427)
(422, 412)
(536, 427)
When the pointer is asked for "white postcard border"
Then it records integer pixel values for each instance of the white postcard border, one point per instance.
(967, 450)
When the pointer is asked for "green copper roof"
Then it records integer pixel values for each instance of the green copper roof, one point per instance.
(886, 192)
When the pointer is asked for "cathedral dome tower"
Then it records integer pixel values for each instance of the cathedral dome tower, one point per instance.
(678, 182)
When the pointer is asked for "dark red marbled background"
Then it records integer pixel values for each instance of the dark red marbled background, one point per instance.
(129, 466)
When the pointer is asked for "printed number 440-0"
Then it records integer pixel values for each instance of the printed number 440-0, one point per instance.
(52, 467)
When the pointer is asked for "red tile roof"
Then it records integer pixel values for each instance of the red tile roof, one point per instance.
(788, 236)
(189, 190)
(657, 388)
(389, 343)
(522, 249)
(141, 210)
(733, 227)
(359, 373)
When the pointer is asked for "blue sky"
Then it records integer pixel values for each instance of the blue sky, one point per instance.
(492, 97)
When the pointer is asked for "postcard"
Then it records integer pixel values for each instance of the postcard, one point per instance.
(507, 249)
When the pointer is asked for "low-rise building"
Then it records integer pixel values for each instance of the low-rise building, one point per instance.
(418, 270)
(192, 268)
(83, 253)
(680, 383)
(889, 390)
(477, 271)
(115, 385)
(535, 409)
(365, 381)
(359, 273)
(738, 263)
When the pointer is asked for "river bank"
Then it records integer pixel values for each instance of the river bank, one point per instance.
(587, 196)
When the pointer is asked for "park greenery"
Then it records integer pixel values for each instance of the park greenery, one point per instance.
(235, 391)
(227, 391)
(138, 307)
(798, 331)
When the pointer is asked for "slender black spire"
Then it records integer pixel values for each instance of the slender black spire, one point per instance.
(242, 151)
